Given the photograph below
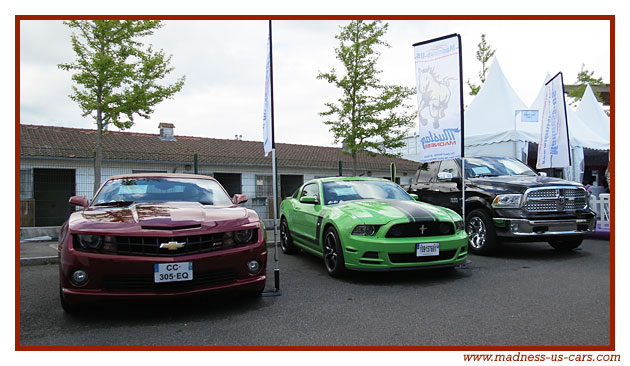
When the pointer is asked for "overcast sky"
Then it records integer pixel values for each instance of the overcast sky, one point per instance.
(224, 64)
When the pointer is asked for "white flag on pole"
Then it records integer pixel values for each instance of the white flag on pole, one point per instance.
(267, 126)
(553, 147)
(440, 109)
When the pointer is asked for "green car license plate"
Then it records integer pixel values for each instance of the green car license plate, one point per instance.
(427, 249)
(172, 272)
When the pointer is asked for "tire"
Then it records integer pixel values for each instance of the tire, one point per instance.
(67, 306)
(256, 293)
(565, 245)
(482, 236)
(286, 241)
(333, 254)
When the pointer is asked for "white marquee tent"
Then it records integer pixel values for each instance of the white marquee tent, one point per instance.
(490, 120)
(592, 113)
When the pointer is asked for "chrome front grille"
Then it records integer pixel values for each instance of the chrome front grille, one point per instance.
(556, 199)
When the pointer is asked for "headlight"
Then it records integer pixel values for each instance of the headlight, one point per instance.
(459, 225)
(243, 236)
(507, 201)
(92, 242)
(365, 230)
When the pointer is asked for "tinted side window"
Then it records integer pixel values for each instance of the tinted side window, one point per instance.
(427, 171)
(310, 190)
(450, 166)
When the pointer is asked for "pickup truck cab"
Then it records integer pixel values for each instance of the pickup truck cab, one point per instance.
(507, 201)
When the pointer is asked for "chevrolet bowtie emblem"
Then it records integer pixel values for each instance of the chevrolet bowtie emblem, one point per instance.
(172, 245)
(422, 229)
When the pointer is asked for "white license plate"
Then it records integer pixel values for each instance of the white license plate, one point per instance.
(427, 249)
(172, 272)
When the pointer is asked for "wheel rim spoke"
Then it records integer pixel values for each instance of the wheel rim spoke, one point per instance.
(330, 253)
(476, 232)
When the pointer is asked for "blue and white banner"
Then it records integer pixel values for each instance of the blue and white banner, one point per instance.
(440, 108)
(553, 147)
(267, 123)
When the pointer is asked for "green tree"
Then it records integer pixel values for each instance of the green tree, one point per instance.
(584, 77)
(484, 54)
(369, 116)
(115, 75)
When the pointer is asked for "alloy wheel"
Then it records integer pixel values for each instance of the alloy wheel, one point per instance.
(476, 230)
(284, 236)
(330, 252)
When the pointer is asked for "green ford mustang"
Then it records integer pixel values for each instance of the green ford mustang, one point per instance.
(370, 224)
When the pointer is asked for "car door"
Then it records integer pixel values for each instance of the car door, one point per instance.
(425, 176)
(305, 215)
(446, 189)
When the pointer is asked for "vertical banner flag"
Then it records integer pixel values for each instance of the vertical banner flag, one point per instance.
(267, 124)
(553, 147)
(438, 66)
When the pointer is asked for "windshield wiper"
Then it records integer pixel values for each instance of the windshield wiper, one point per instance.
(487, 175)
(114, 203)
(206, 203)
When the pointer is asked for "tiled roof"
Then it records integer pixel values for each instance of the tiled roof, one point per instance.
(54, 141)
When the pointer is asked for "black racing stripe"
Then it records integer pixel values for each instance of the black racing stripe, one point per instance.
(304, 239)
(416, 211)
(401, 209)
(318, 230)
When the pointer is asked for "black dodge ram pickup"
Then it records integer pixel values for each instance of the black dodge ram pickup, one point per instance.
(507, 201)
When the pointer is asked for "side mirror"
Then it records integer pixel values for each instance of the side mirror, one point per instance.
(542, 174)
(309, 199)
(239, 198)
(414, 196)
(79, 201)
(445, 176)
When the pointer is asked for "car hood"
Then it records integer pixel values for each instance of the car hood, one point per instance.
(164, 216)
(517, 183)
(383, 211)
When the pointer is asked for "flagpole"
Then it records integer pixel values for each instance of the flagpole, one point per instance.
(274, 168)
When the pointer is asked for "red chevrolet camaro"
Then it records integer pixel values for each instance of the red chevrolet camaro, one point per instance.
(159, 235)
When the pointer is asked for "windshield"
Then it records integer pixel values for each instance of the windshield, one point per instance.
(350, 190)
(130, 190)
(493, 167)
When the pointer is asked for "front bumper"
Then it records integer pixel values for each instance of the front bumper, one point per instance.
(385, 254)
(125, 276)
(520, 228)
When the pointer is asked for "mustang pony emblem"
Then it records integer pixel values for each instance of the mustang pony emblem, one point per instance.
(172, 245)
(422, 229)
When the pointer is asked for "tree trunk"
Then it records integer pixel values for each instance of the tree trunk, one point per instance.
(354, 164)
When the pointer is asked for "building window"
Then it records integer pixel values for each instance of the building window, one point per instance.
(264, 186)
(26, 184)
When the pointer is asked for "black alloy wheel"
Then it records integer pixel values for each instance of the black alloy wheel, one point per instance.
(286, 241)
(333, 254)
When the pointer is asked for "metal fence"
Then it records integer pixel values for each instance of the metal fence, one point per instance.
(48, 177)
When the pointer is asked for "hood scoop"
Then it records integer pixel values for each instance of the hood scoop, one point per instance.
(171, 228)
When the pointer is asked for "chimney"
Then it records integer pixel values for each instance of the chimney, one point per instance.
(166, 131)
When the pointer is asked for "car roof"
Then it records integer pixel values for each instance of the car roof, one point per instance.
(160, 175)
(341, 179)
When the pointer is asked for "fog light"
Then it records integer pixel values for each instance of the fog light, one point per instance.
(253, 266)
(514, 227)
(79, 277)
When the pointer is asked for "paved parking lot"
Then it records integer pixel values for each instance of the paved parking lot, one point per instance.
(528, 295)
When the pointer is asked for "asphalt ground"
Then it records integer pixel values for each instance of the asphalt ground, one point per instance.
(527, 295)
